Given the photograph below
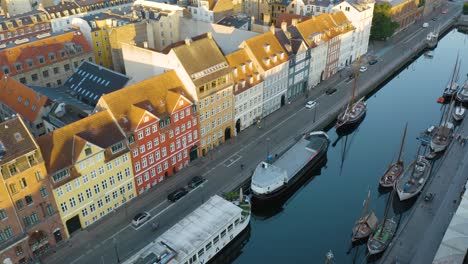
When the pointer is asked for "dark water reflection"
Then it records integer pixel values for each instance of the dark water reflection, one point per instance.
(319, 216)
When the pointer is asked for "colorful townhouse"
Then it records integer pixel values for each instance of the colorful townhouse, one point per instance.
(159, 120)
(90, 169)
(202, 68)
(29, 219)
(22, 26)
(248, 90)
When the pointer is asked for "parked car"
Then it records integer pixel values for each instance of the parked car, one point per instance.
(363, 69)
(445, 11)
(434, 19)
(310, 104)
(330, 91)
(373, 61)
(140, 218)
(425, 25)
(177, 194)
(195, 181)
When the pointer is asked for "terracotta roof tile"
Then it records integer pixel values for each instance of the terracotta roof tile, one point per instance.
(42, 47)
(286, 17)
(61, 146)
(22, 99)
(15, 139)
(267, 50)
(157, 95)
(244, 71)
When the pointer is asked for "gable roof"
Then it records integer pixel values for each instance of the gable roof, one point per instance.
(90, 81)
(202, 59)
(60, 147)
(286, 17)
(223, 5)
(33, 50)
(15, 140)
(267, 50)
(157, 95)
(22, 99)
(245, 73)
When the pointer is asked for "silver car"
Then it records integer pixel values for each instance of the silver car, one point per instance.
(140, 218)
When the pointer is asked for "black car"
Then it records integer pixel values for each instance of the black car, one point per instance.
(177, 194)
(195, 181)
(330, 91)
(372, 62)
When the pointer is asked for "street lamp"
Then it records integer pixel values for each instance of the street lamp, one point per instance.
(114, 241)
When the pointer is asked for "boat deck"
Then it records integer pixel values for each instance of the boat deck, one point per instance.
(415, 176)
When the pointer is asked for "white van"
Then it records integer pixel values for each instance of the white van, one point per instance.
(425, 25)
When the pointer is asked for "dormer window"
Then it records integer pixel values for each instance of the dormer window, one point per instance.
(281, 55)
(266, 61)
(242, 83)
(52, 56)
(234, 71)
(274, 58)
(117, 147)
(29, 62)
(250, 63)
(88, 151)
(60, 175)
(18, 66)
(41, 59)
(266, 47)
(242, 65)
(251, 79)
(6, 70)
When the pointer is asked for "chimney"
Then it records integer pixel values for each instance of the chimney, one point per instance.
(284, 26)
(272, 28)
(209, 35)
(187, 41)
(294, 21)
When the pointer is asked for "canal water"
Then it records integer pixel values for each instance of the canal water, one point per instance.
(319, 216)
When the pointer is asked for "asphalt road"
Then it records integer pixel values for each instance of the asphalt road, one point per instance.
(112, 235)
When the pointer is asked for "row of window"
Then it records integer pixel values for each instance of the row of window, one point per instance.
(214, 123)
(215, 110)
(206, 102)
(22, 31)
(72, 201)
(22, 182)
(6, 233)
(84, 212)
(160, 167)
(93, 174)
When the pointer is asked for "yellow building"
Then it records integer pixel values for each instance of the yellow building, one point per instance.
(101, 47)
(90, 169)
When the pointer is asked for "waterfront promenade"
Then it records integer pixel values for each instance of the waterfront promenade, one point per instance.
(222, 166)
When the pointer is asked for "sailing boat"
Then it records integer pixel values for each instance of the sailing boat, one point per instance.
(452, 86)
(395, 169)
(459, 113)
(355, 111)
(366, 223)
(441, 134)
(382, 237)
(413, 179)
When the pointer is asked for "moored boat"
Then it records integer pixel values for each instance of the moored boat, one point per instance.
(200, 236)
(395, 169)
(366, 224)
(414, 178)
(384, 233)
(452, 87)
(459, 113)
(272, 180)
(462, 95)
(432, 38)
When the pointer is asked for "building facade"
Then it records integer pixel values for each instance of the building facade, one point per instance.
(161, 125)
(205, 73)
(45, 61)
(90, 169)
(405, 12)
(248, 90)
(29, 220)
(23, 26)
(17, 7)
(271, 60)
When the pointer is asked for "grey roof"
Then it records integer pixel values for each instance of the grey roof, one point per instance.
(191, 233)
(59, 95)
(236, 21)
(90, 81)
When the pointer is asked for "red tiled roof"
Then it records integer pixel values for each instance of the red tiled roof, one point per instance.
(42, 47)
(22, 99)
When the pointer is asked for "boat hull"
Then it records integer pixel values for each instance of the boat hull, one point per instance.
(375, 245)
(349, 124)
(391, 175)
(281, 191)
(413, 180)
(438, 147)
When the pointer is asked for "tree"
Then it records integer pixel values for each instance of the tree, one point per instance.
(382, 24)
(465, 8)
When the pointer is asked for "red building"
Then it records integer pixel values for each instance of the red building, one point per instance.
(158, 117)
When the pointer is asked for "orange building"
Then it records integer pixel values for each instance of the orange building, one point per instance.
(29, 221)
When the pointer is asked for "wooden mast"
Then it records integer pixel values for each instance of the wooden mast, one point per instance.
(402, 144)
(356, 76)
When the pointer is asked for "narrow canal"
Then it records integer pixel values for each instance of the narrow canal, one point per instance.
(320, 215)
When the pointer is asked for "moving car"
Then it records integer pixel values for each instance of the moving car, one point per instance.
(330, 91)
(363, 69)
(140, 218)
(445, 11)
(177, 194)
(195, 181)
(425, 25)
(310, 104)
(372, 62)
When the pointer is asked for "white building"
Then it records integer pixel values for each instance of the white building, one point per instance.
(272, 62)
(360, 14)
(248, 90)
(17, 7)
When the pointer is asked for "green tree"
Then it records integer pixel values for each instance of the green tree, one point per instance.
(382, 25)
(465, 8)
